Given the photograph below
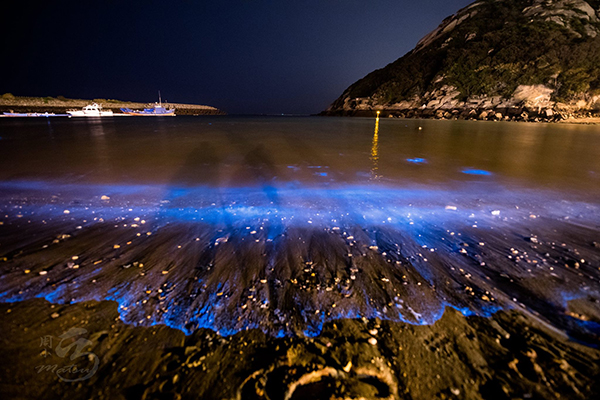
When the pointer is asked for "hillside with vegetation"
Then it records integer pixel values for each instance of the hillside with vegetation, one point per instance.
(501, 59)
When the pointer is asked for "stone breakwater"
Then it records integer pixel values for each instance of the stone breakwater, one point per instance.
(530, 103)
(46, 104)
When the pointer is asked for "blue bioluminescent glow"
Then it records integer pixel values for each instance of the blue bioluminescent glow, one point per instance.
(481, 172)
(286, 260)
(417, 160)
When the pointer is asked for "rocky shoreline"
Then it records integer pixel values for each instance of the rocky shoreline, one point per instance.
(9, 103)
(518, 114)
(528, 104)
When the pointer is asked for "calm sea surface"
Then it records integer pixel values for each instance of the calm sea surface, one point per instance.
(283, 224)
(312, 151)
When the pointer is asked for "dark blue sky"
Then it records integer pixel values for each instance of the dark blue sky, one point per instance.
(244, 56)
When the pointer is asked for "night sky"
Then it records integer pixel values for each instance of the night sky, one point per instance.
(243, 56)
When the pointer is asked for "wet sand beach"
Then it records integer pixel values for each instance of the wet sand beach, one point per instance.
(287, 258)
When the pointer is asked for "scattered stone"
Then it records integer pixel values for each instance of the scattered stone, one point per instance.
(348, 366)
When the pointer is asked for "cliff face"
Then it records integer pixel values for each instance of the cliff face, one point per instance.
(493, 59)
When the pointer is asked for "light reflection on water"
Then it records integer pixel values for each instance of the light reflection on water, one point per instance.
(233, 152)
(375, 151)
(284, 224)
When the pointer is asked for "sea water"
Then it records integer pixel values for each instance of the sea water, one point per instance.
(282, 224)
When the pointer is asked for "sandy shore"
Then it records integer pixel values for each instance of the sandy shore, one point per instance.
(583, 120)
(477, 300)
(507, 356)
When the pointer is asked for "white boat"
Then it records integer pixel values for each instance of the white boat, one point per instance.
(92, 110)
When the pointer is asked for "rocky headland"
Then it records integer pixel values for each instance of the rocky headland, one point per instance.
(528, 60)
(59, 105)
